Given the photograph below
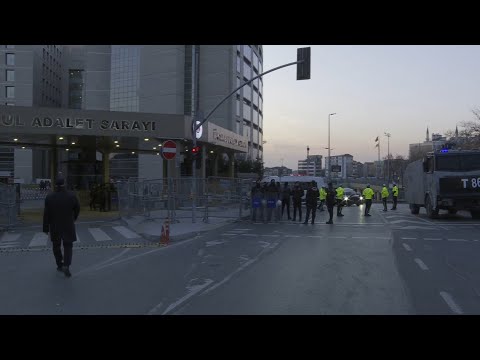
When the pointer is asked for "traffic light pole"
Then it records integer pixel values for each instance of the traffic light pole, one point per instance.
(196, 126)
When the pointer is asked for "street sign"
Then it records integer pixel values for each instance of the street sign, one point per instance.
(336, 168)
(169, 150)
(199, 131)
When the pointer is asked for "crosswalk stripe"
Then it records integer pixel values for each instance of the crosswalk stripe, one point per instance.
(98, 234)
(78, 238)
(126, 232)
(10, 237)
(39, 239)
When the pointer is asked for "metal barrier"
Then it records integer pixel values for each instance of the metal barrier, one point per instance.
(8, 206)
(173, 198)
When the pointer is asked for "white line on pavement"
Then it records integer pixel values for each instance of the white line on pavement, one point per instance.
(337, 237)
(315, 236)
(227, 234)
(359, 237)
(408, 238)
(270, 235)
(408, 248)
(292, 236)
(98, 234)
(457, 240)
(421, 264)
(126, 232)
(192, 291)
(9, 237)
(451, 303)
(39, 239)
(432, 239)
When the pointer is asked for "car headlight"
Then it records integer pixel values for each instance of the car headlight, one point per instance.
(345, 198)
(361, 197)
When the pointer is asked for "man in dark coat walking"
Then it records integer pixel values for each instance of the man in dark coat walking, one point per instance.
(312, 201)
(60, 213)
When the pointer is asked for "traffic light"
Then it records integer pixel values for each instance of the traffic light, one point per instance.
(303, 69)
(197, 156)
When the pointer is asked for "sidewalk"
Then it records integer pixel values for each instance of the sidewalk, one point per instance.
(151, 228)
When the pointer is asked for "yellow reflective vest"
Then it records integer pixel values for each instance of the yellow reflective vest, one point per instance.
(323, 194)
(340, 193)
(385, 192)
(368, 194)
(395, 190)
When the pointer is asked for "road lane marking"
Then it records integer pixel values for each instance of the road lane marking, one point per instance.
(451, 303)
(315, 236)
(227, 234)
(255, 235)
(192, 291)
(243, 229)
(126, 232)
(268, 235)
(214, 242)
(359, 237)
(9, 237)
(457, 240)
(337, 237)
(432, 239)
(98, 234)
(39, 239)
(292, 236)
(243, 266)
(421, 264)
(408, 248)
(408, 238)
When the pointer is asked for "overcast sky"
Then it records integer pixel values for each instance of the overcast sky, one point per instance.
(373, 89)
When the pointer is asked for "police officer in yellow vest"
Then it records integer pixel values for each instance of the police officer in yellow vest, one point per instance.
(368, 195)
(340, 194)
(395, 196)
(385, 195)
(322, 197)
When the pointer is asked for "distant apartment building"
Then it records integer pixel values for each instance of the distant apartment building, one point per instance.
(277, 171)
(419, 150)
(342, 163)
(311, 166)
(357, 169)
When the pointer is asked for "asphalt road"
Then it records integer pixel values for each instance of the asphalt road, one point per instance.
(389, 263)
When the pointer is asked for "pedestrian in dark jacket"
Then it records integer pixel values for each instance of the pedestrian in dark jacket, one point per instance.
(297, 195)
(272, 198)
(61, 211)
(330, 200)
(257, 195)
(286, 193)
(312, 201)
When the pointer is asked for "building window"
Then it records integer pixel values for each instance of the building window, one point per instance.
(10, 75)
(10, 92)
(238, 108)
(10, 59)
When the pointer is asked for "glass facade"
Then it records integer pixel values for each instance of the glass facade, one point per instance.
(76, 88)
(125, 71)
(10, 75)
(10, 59)
(9, 92)
(249, 64)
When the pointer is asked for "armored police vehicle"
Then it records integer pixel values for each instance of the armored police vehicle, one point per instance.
(444, 180)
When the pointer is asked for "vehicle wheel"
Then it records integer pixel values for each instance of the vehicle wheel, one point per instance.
(431, 212)
(414, 209)
(475, 214)
(452, 211)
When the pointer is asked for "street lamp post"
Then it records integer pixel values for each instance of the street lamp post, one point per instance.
(388, 156)
(329, 161)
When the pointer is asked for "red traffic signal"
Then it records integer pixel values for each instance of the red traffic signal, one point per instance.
(196, 150)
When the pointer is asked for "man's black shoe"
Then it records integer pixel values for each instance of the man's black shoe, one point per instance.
(60, 268)
(305, 222)
(368, 215)
(329, 222)
(67, 272)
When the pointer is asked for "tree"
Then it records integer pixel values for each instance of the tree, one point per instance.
(250, 166)
(468, 134)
